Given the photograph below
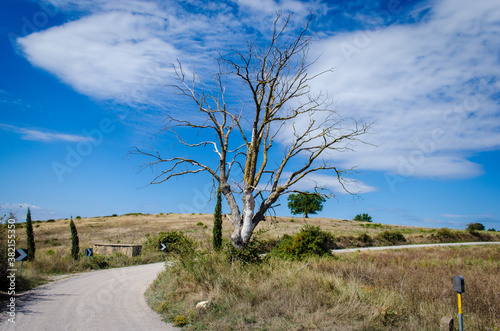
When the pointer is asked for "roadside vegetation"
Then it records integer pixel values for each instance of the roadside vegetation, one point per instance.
(385, 290)
(297, 273)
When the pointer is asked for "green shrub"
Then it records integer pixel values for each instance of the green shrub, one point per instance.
(363, 218)
(50, 252)
(97, 262)
(474, 227)
(365, 238)
(176, 241)
(78, 217)
(311, 240)
(391, 237)
(248, 255)
(180, 320)
(199, 224)
(492, 229)
(51, 220)
(52, 242)
(446, 235)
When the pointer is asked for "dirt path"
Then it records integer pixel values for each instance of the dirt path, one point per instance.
(348, 250)
(108, 300)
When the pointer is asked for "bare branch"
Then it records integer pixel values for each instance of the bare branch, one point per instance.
(254, 144)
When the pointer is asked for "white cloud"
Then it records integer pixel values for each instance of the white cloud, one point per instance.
(21, 208)
(43, 136)
(467, 216)
(105, 56)
(331, 183)
(430, 87)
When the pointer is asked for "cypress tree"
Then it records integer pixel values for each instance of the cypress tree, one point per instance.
(75, 248)
(30, 238)
(217, 230)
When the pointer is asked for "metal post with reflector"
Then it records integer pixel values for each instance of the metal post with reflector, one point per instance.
(459, 287)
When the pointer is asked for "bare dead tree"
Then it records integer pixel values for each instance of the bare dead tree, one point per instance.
(266, 164)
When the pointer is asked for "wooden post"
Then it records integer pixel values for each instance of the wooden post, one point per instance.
(446, 324)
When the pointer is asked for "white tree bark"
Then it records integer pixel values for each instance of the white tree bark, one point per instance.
(276, 79)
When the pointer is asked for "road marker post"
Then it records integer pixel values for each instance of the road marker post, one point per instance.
(459, 287)
(21, 255)
(89, 252)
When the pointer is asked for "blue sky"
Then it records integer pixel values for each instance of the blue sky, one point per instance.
(84, 81)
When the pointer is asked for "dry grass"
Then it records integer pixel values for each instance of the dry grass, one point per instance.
(130, 229)
(401, 290)
(397, 290)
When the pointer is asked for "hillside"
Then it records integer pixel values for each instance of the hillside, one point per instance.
(133, 228)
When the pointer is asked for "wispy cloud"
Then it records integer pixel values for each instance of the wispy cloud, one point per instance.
(428, 77)
(43, 136)
(20, 209)
(331, 183)
(466, 216)
(431, 87)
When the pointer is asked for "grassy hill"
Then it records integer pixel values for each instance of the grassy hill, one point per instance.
(386, 290)
(133, 228)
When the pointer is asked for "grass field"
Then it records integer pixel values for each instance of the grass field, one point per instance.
(132, 229)
(384, 290)
(391, 290)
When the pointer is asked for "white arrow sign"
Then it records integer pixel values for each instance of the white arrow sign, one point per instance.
(163, 247)
(21, 254)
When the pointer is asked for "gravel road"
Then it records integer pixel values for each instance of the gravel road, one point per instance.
(108, 300)
(348, 250)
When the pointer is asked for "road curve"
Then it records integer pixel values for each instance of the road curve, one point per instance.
(111, 299)
(379, 248)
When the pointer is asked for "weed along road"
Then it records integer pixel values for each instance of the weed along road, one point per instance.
(111, 299)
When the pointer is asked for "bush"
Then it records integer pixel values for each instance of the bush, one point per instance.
(474, 227)
(446, 235)
(366, 239)
(176, 242)
(391, 237)
(96, 262)
(311, 240)
(249, 255)
(52, 242)
(363, 218)
(492, 229)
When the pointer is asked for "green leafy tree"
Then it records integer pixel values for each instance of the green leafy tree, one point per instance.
(217, 230)
(473, 227)
(30, 237)
(305, 203)
(363, 218)
(75, 247)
